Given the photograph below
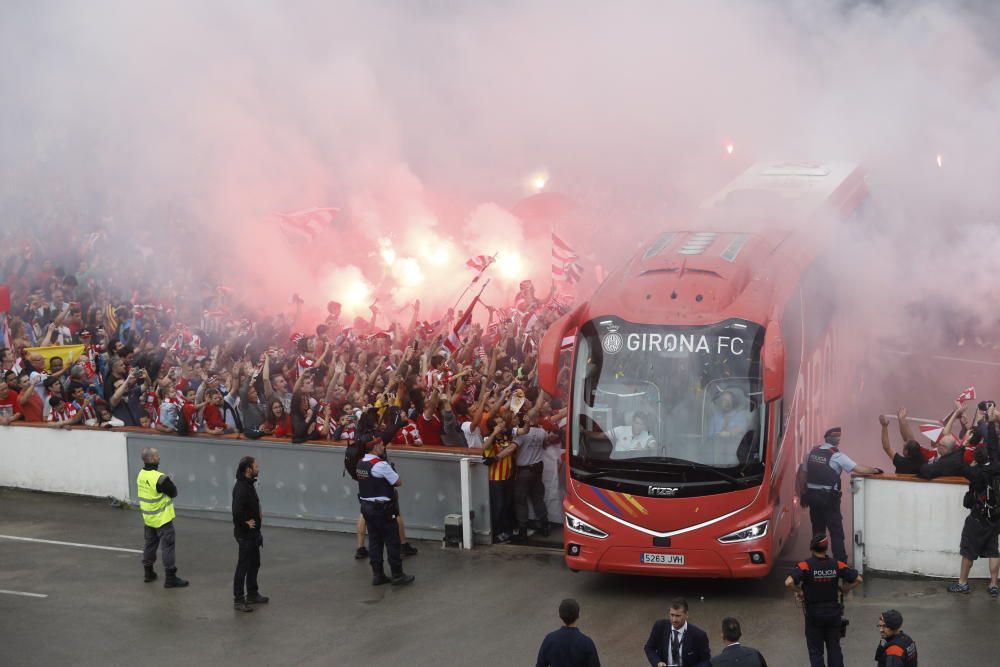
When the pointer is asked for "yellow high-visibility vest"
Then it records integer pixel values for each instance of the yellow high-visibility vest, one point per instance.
(157, 508)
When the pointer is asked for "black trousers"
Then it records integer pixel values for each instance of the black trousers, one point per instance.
(502, 506)
(247, 566)
(823, 635)
(382, 532)
(824, 514)
(528, 485)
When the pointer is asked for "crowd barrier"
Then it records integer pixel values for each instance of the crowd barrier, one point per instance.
(301, 485)
(904, 524)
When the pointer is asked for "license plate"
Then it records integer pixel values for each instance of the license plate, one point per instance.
(663, 559)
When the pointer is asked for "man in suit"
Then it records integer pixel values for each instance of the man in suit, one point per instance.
(567, 646)
(735, 653)
(674, 642)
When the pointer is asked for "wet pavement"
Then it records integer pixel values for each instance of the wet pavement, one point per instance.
(490, 606)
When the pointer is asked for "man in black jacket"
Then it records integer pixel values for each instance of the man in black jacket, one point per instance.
(949, 462)
(735, 653)
(982, 527)
(567, 646)
(246, 528)
(674, 641)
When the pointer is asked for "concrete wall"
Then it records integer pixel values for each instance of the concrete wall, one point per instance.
(910, 526)
(303, 485)
(85, 462)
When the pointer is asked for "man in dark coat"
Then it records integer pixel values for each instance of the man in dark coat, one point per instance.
(674, 641)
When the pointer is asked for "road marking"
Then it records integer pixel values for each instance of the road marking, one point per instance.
(944, 358)
(27, 595)
(70, 544)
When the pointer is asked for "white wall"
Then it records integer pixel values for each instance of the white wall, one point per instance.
(912, 527)
(89, 463)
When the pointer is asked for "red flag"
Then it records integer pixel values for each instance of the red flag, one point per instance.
(968, 395)
(565, 261)
(454, 340)
(480, 262)
(932, 431)
(306, 225)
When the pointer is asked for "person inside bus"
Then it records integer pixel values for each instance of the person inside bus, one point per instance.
(634, 440)
(730, 420)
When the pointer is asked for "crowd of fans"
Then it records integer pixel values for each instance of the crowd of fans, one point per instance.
(161, 360)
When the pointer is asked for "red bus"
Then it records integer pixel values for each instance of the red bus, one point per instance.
(700, 372)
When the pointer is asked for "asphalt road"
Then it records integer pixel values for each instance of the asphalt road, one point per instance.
(490, 606)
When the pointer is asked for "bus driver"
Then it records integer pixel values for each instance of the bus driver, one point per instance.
(634, 438)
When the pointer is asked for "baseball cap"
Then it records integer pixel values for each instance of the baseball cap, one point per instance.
(832, 432)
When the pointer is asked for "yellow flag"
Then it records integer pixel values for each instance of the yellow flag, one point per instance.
(68, 353)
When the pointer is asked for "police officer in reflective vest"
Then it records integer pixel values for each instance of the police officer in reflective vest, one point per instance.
(377, 482)
(818, 583)
(822, 494)
(156, 493)
(896, 648)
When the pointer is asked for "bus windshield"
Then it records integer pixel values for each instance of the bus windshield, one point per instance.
(648, 397)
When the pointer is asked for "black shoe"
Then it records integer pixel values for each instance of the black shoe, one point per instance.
(362, 552)
(173, 581)
(257, 598)
(150, 574)
(545, 530)
(379, 579)
(407, 549)
(239, 604)
(519, 538)
(402, 579)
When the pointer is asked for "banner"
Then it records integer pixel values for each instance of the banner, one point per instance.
(68, 353)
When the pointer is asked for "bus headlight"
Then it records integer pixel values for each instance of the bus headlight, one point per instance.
(583, 528)
(746, 534)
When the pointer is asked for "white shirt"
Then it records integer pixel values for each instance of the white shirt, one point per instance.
(473, 437)
(384, 470)
(626, 441)
(672, 659)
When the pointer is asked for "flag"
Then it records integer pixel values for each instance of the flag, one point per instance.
(381, 334)
(454, 340)
(565, 261)
(480, 262)
(968, 395)
(427, 328)
(932, 431)
(68, 353)
(112, 318)
(306, 225)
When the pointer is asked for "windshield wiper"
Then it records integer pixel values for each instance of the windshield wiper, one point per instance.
(586, 476)
(671, 461)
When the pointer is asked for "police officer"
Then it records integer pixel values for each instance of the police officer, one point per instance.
(377, 482)
(821, 495)
(818, 583)
(896, 648)
(156, 493)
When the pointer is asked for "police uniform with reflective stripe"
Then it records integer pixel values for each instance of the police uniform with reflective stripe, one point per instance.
(897, 651)
(377, 495)
(820, 580)
(823, 468)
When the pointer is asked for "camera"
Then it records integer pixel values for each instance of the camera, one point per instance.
(986, 405)
(843, 627)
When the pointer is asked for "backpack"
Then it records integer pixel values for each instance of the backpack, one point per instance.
(991, 497)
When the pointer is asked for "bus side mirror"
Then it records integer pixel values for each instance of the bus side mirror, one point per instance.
(551, 347)
(773, 362)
